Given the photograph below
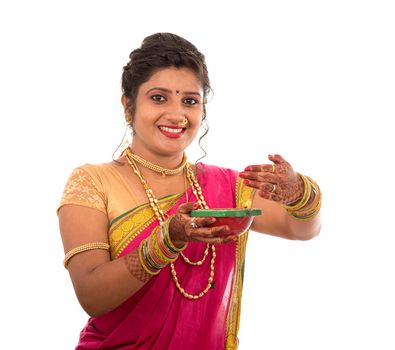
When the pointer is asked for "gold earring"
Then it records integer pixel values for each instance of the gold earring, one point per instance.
(128, 118)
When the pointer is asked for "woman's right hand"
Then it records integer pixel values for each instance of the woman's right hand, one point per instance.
(183, 228)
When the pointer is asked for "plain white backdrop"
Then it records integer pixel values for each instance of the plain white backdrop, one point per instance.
(311, 80)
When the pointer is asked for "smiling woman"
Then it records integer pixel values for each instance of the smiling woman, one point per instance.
(167, 114)
(151, 275)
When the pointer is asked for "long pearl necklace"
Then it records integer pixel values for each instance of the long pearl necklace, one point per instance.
(162, 217)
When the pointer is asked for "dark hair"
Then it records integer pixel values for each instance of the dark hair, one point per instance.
(159, 51)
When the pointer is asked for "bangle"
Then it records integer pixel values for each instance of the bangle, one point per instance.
(84, 248)
(144, 261)
(310, 204)
(156, 251)
(305, 198)
(159, 249)
(167, 240)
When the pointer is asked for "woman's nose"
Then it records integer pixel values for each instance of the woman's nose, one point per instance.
(176, 112)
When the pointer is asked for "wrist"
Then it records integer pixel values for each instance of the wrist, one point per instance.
(175, 238)
(308, 206)
(175, 241)
(157, 250)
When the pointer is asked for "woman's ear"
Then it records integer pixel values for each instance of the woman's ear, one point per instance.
(126, 108)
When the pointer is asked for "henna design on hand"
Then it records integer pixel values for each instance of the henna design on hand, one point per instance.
(277, 181)
(183, 228)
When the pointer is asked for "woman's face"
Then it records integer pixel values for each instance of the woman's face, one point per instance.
(163, 104)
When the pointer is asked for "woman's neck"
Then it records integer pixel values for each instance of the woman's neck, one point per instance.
(169, 161)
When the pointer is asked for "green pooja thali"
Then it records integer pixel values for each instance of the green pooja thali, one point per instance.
(239, 220)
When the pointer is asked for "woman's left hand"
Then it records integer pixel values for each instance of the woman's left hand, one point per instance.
(277, 181)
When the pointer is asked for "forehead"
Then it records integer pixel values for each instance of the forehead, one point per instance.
(174, 79)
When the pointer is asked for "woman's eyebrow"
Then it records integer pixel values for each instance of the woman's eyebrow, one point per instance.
(170, 91)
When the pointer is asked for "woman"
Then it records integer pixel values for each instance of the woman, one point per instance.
(149, 275)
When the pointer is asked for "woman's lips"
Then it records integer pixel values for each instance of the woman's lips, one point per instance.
(172, 132)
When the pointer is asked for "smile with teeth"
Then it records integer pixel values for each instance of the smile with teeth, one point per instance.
(172, 130)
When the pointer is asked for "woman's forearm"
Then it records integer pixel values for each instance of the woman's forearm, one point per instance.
(303, 230)
(110, 284)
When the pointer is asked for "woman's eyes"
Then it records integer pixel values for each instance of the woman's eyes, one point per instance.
(188, 101)
(158, 98)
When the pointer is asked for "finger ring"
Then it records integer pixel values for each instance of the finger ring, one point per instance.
(193, 224)
(274, 188)
(273, 168)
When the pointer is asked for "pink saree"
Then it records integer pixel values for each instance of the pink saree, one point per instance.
(158, 317)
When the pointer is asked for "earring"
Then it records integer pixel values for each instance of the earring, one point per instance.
(128, 118)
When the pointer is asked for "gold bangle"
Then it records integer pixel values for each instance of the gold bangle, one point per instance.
(84, 248)
(307, 216)
(312, 208)
(305, 198)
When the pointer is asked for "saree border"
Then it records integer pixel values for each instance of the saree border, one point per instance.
(244, 195)
(130, 224)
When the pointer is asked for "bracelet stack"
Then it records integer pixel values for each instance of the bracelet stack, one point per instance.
(157, 250)
(310, 203)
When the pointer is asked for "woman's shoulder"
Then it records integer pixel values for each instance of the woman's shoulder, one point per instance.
(97, 169)
(98, 172)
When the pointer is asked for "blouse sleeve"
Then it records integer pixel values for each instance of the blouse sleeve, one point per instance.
(81, 189)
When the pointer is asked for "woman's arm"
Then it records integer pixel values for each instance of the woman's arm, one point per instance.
(275, 220)
(100, 284)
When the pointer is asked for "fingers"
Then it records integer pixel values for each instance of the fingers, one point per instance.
(184, 228)
(266, 190)
(203, 221)
(258, 176)
(276, 158)
(268, 168)
(260, 168)
(198, 232)
(187, 208)
(210, 232)
(271, 196)
(213, 235)
(266, 186)
(276, 181)
(217, 240)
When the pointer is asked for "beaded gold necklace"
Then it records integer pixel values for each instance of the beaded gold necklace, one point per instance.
(162, 217)
(157, 168)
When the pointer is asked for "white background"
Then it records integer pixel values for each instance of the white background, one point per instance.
(311, 80)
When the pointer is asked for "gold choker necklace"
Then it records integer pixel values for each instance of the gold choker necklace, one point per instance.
(157, 168)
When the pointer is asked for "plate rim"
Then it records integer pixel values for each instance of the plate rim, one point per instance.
(224, 212)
